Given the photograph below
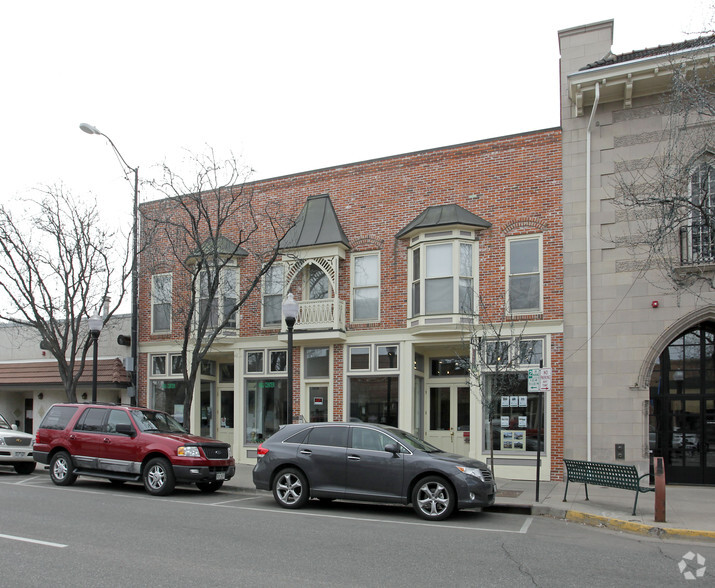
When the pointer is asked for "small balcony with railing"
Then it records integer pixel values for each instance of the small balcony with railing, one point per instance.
(319, 320)
(697, 246)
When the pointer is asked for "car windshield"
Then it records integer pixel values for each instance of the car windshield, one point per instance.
(150, 421)
(413, 442)
(3, 423)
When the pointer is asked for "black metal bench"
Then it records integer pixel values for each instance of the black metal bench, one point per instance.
(612, 475)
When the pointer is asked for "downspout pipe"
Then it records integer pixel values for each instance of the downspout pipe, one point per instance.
(589, 303)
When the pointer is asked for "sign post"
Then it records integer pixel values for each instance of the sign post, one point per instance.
(540, 382)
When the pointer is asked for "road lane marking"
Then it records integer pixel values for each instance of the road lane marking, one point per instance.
(35, 541)
(433, 525)
(526, 525)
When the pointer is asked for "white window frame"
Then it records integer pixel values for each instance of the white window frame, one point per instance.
(539, 238)
(264, 293)
(354, 289)
(156, 301)
(456, 241)
(221, 297)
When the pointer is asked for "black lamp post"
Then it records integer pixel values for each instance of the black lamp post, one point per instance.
(95, 327)
(290, 314)
(92, 130)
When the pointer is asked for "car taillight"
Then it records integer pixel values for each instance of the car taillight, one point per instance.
(261, 451)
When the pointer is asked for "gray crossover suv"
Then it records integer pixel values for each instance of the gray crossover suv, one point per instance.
(372, 463)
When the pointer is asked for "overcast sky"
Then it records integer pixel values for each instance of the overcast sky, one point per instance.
(288, 86)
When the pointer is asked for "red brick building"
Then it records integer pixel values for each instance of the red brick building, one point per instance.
(392, 262)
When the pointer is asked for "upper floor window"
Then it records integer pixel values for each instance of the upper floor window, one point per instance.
(273, 295)
(366, 287)
(699, 246)
(524, 274)
(220, 306)
(317, 283)
(442, 278)
(161, 303)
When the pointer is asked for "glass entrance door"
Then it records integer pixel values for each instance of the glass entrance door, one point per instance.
(208, 428)
(682, 419)
(447, 422)
(318, 399)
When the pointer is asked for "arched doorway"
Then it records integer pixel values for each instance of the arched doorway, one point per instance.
(682, 406)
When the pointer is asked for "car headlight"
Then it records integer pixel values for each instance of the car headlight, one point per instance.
(476, 472)
(188, 451)
(2, 441)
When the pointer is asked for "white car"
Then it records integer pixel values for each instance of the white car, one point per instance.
(16, 448)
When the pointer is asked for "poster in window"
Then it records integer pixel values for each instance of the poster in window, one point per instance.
(507, 440)
(522, 402)
(513, 401)
(505, 422)
(522, 422)
(519, 439)
(505, 402)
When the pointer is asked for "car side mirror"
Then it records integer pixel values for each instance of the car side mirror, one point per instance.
(393, 448)
(125, 429)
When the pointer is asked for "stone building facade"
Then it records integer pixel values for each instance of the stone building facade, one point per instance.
(637, 349)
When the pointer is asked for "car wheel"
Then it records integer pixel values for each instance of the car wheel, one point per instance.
(209, 486)
(25, 468)
(433, 498)
(290, 489)
(158, 477)
(61, 469)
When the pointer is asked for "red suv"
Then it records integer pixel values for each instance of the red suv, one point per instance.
(129, 444)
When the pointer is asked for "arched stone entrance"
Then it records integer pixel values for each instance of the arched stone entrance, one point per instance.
(682, 406)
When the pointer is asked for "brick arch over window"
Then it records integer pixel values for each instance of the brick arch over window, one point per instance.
(677, 328)
(520, 225)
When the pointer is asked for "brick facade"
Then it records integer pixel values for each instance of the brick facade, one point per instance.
(513, 182)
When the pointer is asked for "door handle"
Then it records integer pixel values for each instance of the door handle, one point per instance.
(306, 451)
(353, 457)
(451, 432)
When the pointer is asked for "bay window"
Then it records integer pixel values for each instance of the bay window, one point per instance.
(442, 278)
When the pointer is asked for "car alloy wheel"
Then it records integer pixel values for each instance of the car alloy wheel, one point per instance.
(290, 488)
(433, 498)
(158, 477)
(61, 469)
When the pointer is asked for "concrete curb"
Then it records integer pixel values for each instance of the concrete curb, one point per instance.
(636, 528)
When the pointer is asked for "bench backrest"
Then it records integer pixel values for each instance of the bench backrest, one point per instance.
(608, 474)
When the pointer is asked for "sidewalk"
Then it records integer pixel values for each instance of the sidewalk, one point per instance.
(690, 510)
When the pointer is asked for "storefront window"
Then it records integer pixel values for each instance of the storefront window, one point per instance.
(266, 408)
(374, 400)
(169, 396)
(515, 415)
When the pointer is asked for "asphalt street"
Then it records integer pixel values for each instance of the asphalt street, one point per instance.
(96, 534)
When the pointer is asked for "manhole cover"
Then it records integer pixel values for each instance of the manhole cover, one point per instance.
(509, 493)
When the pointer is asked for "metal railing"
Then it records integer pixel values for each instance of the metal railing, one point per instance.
(697, 244)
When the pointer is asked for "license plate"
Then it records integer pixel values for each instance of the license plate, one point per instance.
(19, 454)
(220, 475)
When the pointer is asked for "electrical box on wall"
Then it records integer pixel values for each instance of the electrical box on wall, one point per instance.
(620, 451)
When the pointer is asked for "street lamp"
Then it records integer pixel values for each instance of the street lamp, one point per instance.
(290, 314)
(92, 130)
(95, 327)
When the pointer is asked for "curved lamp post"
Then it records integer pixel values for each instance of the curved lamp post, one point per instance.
(290, 314)
(92, 130)
(95, 327)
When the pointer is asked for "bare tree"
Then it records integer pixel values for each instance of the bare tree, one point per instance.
(668, 199)
(58, 266)
(207, 226)
(498, 350)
